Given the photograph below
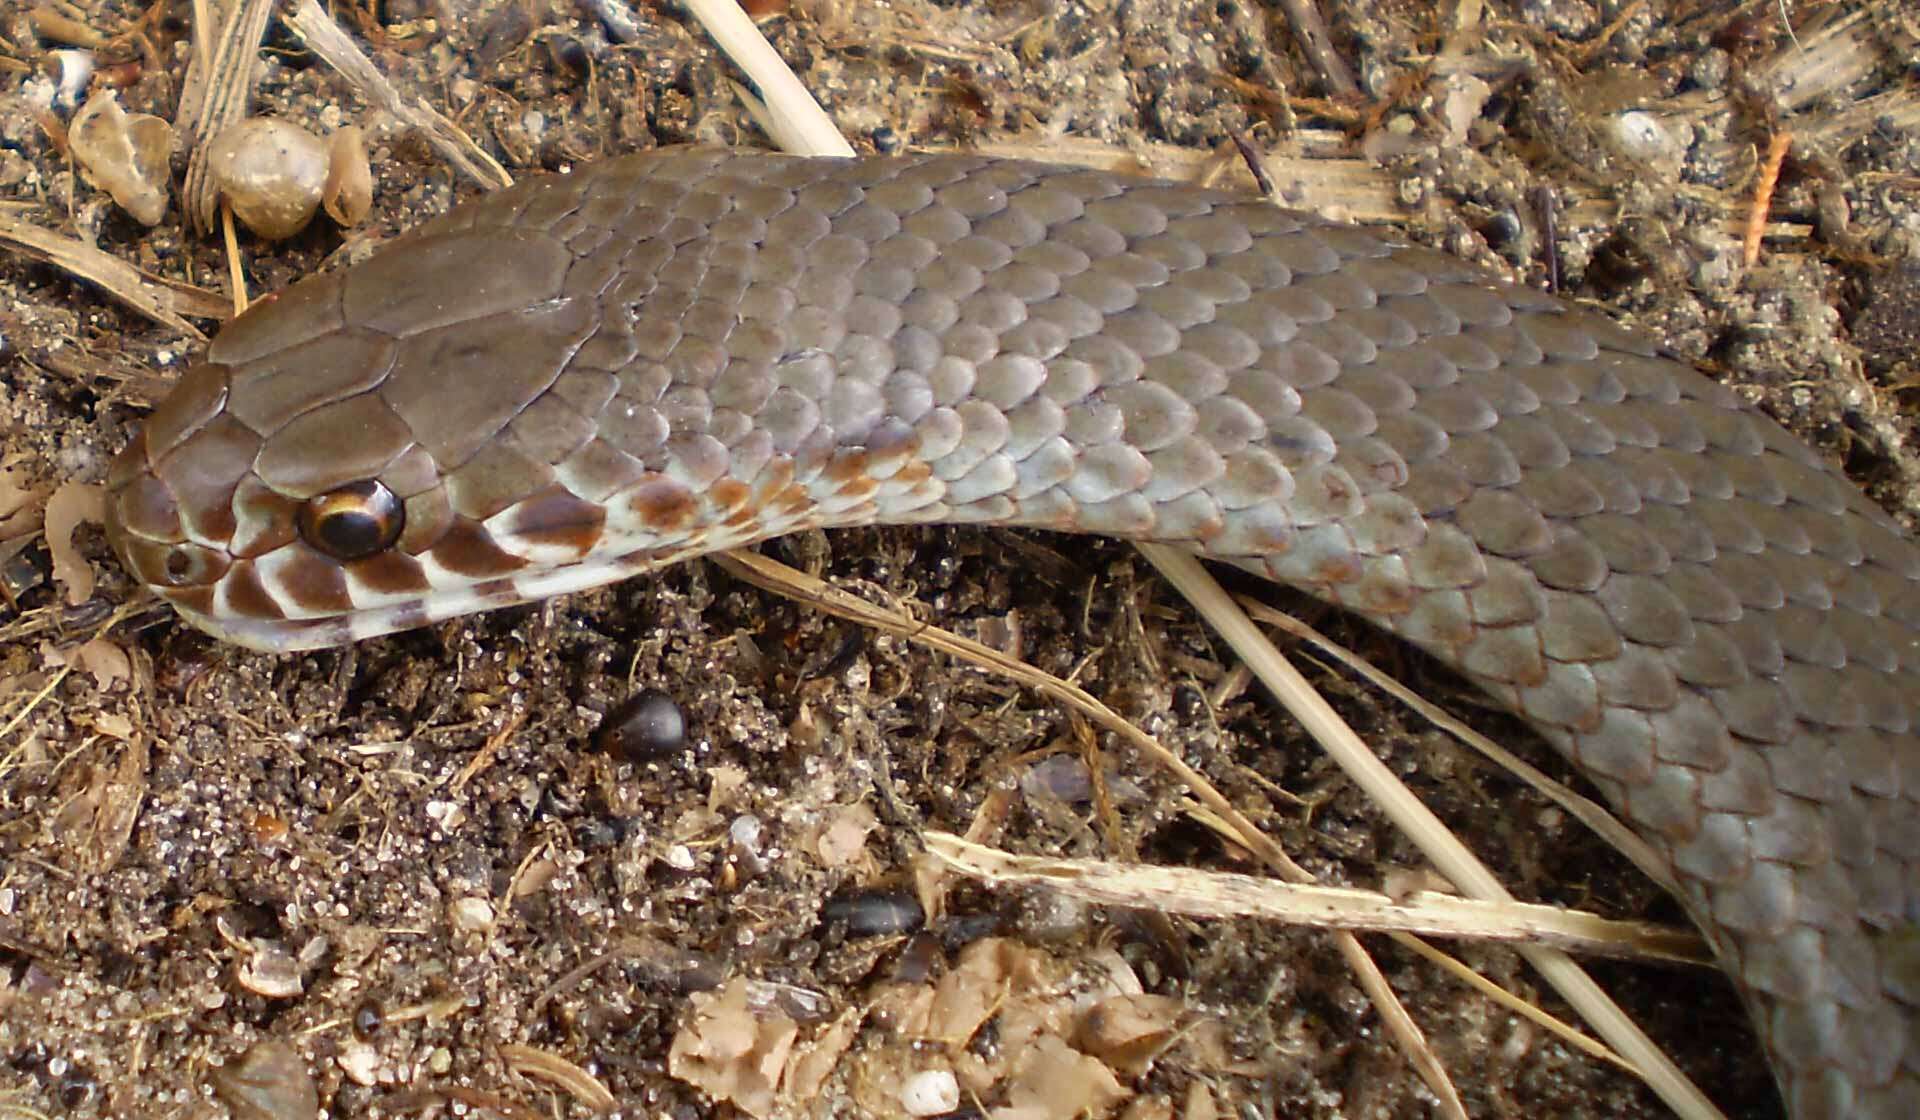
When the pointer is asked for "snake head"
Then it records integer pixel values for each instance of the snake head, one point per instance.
(357, 456)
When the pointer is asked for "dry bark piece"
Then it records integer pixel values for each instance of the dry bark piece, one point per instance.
(124, 154)
(272, 172)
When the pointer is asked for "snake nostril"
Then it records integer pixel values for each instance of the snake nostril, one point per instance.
(179, 566)
(354, 521)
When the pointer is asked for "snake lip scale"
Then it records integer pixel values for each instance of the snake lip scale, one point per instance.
(668, 354)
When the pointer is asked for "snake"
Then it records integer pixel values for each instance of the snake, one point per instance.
(590, 375)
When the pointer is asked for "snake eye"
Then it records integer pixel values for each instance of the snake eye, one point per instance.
(352, 521)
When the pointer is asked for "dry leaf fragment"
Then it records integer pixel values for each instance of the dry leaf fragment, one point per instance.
(1128, 1032)
(106, 662)
(845, 836)
(20, 505)
(727, 781)
(813, 1062)
(989, 972)
(270, 1082)
(348, 195)
(124, 154)
(1057, 1080)
(1156, 1108)
(729, 1053)
(1200, 1103)
(71, 505)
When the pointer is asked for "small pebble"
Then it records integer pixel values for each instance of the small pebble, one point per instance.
(930, 1093)
(272, 173)
(470, 915)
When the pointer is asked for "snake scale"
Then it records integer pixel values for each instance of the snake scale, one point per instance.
(662, 355)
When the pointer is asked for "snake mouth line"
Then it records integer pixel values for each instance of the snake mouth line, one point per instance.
(300, 634)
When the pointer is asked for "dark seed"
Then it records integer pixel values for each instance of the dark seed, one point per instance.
(368, 1018)
(76, 1088)
(875, 913)
(570, 55)
(647, 726)
(918, 960)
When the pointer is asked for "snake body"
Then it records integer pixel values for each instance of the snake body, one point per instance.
(663, 355)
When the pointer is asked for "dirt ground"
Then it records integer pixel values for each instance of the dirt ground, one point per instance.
(405, 861)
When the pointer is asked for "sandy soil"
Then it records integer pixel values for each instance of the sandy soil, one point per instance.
(202, 850)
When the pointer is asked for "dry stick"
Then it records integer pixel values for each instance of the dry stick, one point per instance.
(159, 299)
(1583, 809)
(1763, 195)
(236, 268)
(1224, 894)
(798, 123)
(1446, 851)
(313, 27)
(1316, 42)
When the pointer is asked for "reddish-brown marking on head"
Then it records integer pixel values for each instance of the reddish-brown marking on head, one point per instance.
(429, 516)
(146, 507)
(469, 550)
(247, 595)
(497, 591)
(266, 521)
(198, 600)
(316, 582)
(391, 572)
(130, 464)
(165, 566)
(203, 471)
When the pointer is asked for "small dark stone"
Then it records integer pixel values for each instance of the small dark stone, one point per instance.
(647, 726)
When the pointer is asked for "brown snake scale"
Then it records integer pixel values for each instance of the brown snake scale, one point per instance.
(658, 356)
